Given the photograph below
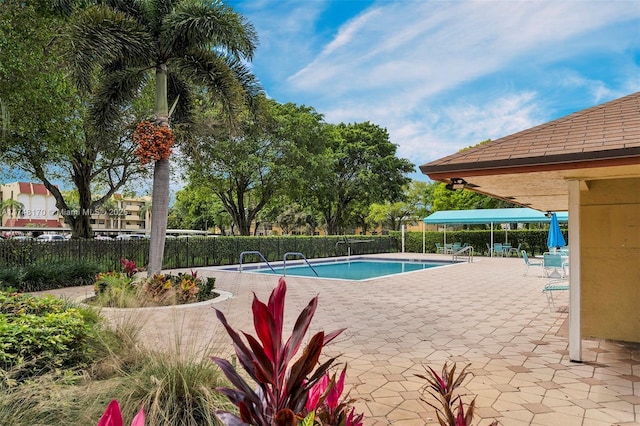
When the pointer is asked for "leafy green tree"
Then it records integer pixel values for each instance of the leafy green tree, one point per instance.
(179, 46)
(358, 167)
(419, 197)
(198, 209)
(415, 206)
(48, 136)
(444, 199)
(390, 215)
(264, 159)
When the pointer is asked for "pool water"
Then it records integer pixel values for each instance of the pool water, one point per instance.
(352, 270)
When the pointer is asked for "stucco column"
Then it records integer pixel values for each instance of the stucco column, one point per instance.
(575, 335)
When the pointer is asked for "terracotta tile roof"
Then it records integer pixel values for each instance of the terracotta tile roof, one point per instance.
(33, 188)
(610, 131)
(25, 187)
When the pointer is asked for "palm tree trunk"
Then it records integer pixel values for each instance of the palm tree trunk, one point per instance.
(161, 174)
(160, 212)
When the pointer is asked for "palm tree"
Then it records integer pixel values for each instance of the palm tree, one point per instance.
(10, 205)
(181, 46)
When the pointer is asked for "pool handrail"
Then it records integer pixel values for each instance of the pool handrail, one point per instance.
(468, 249)
(295, 253)
(259, 254)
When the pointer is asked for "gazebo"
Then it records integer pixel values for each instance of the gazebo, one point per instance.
(490, 217)
(587, 163)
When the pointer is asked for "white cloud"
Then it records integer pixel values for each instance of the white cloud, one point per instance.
(443, 75)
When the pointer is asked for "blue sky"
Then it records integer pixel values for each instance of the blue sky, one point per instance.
(442, 75)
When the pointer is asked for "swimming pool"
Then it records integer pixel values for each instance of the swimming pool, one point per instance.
(354, 269)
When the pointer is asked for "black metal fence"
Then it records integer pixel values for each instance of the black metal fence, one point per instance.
(192, 251)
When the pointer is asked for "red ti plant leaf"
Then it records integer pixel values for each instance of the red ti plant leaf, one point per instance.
(316, 392)
(265, 327)
(282, 389)
(113, 416)
(138, 420)
(276, 307)
(335, 392)
(353, 420)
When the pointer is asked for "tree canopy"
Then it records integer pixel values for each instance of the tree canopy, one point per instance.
(358, 166)
(47, 134)
(181, 48)
(264, 158)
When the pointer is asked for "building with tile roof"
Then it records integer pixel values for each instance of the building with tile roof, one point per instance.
(587, 163)
(39, 210)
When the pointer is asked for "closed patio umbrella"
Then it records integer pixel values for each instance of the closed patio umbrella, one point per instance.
(555, 239)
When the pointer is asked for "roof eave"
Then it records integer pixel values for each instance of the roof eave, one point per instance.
(619, 157)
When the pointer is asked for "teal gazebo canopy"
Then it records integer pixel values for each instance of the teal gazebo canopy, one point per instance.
(487, 216)
(490, 216)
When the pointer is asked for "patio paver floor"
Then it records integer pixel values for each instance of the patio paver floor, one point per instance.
(484, 313)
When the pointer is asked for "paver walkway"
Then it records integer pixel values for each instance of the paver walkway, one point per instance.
(485, 314)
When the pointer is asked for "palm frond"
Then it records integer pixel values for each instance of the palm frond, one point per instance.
(178, 88)
(246, 78)
(131, 8)
(118, 87)
(67, 7)
(205, 69)
(206, 24)
(101, 36)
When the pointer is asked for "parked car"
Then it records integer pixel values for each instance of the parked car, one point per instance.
(130, 237)
(22, 238)
(50, 237)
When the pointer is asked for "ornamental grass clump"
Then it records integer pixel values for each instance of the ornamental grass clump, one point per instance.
(288, 393)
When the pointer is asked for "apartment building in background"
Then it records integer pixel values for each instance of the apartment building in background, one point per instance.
(39, 210)
(38, 206)
(124, 213)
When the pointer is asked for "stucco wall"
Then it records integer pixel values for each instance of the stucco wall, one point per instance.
(610, 259)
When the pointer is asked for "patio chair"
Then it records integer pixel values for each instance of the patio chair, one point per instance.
(515, 250)
(552, 286)
(497, 249)
(439, 248)
(529, 262)
(551, 263)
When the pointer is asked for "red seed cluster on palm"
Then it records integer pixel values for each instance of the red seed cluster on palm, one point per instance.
(154, 142)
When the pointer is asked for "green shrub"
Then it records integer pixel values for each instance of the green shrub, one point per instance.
(49, 275)
(187, 252)
(40, 334)
(206, 289)
(10, 278)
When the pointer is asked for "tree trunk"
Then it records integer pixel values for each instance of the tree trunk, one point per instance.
(81, 227)
(159, 215)
(161, 174)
